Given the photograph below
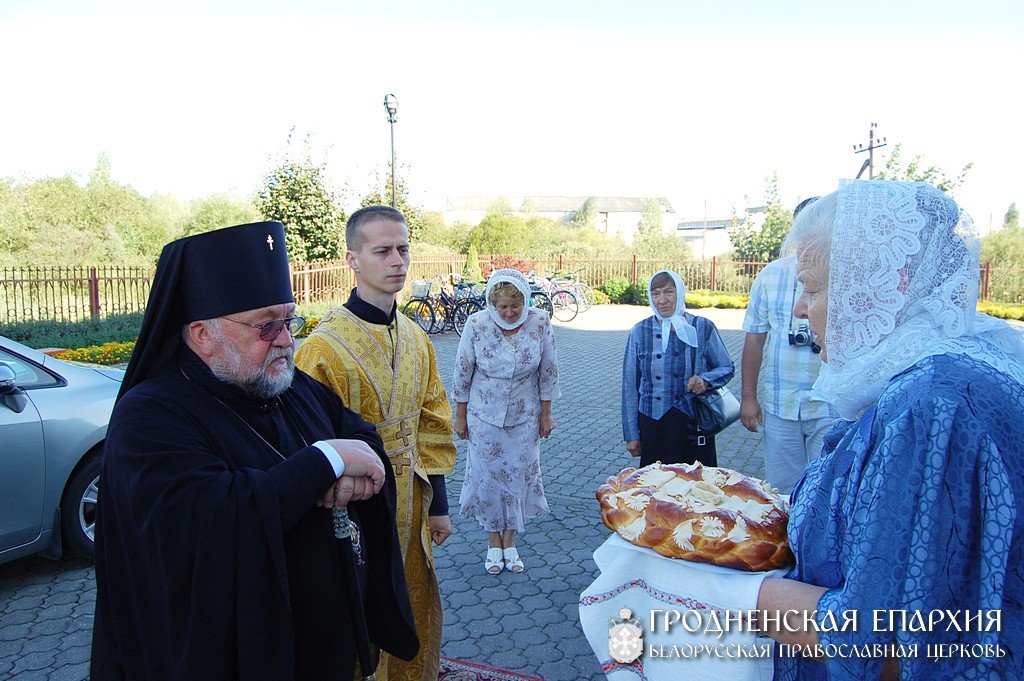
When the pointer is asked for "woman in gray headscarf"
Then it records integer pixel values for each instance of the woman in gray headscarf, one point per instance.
(506, 375)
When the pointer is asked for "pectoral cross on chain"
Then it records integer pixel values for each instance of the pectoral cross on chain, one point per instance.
(270, 242)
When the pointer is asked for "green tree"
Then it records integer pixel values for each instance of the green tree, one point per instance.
(914, 171)
(379, 194)
(214, 212)
(651, 241)
(585, 217)
(15, 230)
(650, 219)
(501, 205)
(764, 243)
(296, 193)
(1012, 216)
(503, 234)
(661, 245)
(1004, 247)
(119, 214)
(472, 273)
(447, 238)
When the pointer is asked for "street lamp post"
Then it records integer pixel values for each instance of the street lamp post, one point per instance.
(391, 106)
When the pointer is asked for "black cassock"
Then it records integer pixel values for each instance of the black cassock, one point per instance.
(212, 560)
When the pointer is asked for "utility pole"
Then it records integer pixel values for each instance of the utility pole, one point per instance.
(873, 144)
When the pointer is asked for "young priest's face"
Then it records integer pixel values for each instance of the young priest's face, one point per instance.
(382, 259)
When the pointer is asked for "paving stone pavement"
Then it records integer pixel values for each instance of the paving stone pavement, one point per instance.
(527, 622)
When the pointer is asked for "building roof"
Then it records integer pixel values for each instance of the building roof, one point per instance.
(557, 204)
(698, 225)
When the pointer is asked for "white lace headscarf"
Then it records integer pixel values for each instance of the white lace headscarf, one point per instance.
(517, 279)
(903, 285)
(677, 320)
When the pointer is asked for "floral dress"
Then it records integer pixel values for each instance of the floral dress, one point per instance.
(503, 380)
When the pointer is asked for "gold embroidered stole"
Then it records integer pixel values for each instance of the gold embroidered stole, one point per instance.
(387, 396)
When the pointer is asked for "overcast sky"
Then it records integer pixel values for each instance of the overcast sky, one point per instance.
(695, 101)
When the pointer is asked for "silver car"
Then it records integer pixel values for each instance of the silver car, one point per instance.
(53, 421)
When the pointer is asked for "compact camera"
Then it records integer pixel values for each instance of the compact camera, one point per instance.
(801, 336)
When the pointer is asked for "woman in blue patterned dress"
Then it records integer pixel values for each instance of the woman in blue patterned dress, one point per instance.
(912, 520)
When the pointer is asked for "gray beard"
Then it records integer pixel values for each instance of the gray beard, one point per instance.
(253, 381)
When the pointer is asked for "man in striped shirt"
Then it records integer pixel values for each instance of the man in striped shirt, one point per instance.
(780, 364)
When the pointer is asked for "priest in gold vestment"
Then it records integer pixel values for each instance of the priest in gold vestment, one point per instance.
(383, 367)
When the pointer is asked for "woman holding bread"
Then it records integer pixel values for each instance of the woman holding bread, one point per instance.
(506, 375)
(916, 505)
(670, 358)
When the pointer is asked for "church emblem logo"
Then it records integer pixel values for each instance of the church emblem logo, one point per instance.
(625, 637)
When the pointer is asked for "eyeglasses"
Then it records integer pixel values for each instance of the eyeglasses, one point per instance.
(272, 329)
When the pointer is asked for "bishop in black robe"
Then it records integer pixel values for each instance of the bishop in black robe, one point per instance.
(212, 559)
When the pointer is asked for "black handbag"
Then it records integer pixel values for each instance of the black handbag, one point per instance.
(716, 408)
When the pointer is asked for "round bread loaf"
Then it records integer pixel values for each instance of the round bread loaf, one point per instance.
(698, 513)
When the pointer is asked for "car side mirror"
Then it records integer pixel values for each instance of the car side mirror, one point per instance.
(11, 396)
(8, 381)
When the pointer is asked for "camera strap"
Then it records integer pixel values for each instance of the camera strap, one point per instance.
(792, 303)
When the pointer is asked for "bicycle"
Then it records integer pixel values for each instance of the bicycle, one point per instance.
(418, 308)
(440, 313)
(564, 306)
(584, 292)
(451, 310)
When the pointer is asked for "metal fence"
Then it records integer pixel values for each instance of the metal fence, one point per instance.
(73, 294)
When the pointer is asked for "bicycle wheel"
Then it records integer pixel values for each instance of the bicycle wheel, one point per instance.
(462, 311)
(588, 293)
(581, 296)
(566, 307)
(541, 301)
(443, 320)
(421, 312)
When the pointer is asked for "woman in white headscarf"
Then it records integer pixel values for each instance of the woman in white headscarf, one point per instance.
(670, 358)
(915, 510)
(506, 375)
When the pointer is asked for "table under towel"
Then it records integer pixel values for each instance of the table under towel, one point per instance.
(640, 580)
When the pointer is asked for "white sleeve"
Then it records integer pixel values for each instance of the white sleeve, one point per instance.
(337, 463)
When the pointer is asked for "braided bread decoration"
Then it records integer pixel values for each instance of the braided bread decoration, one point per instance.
(703, 514)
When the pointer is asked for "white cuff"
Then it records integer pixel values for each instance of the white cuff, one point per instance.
(337, 463)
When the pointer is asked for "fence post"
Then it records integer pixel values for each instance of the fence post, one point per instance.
(985, 272)
(305, 283)
(559, 262)
(94, 294)
(632, 275)
(714, 273)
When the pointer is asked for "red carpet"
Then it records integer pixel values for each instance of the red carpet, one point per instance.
(460, 670)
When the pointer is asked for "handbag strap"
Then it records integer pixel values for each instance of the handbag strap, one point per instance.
(693, 350)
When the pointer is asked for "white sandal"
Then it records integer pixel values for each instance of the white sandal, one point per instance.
(513, 563)
(493, 562)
